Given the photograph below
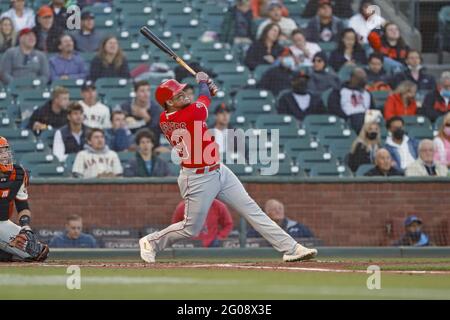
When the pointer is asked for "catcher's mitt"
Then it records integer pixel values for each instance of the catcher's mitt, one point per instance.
(27, 241)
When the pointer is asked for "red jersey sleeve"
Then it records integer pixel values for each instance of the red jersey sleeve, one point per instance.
(200, 108)
(374, 39)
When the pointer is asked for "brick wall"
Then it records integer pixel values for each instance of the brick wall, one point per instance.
(350, 214)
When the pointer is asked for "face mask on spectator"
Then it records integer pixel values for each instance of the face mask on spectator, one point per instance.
(445, 93)
(372, 135)
(398, 133)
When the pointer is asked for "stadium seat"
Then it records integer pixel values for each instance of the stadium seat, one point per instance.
(15, 134)
(260, 70)
(362, 169)
(251, 110)
(327, 47)
(325, 95)
(68, 83)
(32, 159)
(336, 133)
(412, 122)
(199, 46)
(420, 133)
(443, 32)
(242, 169)
(274, 121)
(308, 159)
(329, 169)
(212, 16)
(314, 123)
(139, 20)
(100, 11)
(112, 83)
(20, 147)
(255, 95)
(105, 23)
(339, 148)
(50, 170)
(125, 156)
(34, 97)
(380, 98)
(115, 97)
(284, 169)
(210, 58)
(19, 84)
(291, 132)
(47, 136)
(295, 7)
(129, 45)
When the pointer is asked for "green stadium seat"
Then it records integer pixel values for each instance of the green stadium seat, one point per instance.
(32, 159)
(129, 45)
(308, 159)
(291, 132)
(51, 170)
(68, 83)
(174, 169)
(87, 56)
(443, 35)
(68, 164)
(336, 133)
(15, 134)
(242, 169)
(412, 122)
(260, 70)
(105, 23)
(138, 57)
(420, 133)
(20, 147)
(215, 57)
(344, 73)
(100, 11)
(212, 16)
(113, 83)
(251, 110)
(325, 95)
(19, 84)
(116, 97)
(329, 170)
(255, 95)
(274, 121)
(327, 47)
(380, 98)
(362, 169)
(295, 7)
(294, 147)
(125, 156)
(131, 9)
(315, 123)
(33, 97)
(199, 46)
(47, 137)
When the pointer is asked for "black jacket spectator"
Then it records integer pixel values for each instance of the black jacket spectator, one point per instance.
(136, 168)
(376, 172)
(322, 79)
(99, 70)
(52, 42)
(337, 58)
(287, 104)
(360, 156)
(425, 82)
(314, 30)
(60, 15)
(70, 143)
(237, 24)
(341, 8)
(45, 115)
(434, 105)
(276, 80)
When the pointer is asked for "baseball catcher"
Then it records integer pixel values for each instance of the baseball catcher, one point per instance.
(17, 242)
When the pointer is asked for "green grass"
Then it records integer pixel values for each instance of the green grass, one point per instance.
(49, 282)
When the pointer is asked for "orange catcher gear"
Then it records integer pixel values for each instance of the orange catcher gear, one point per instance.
(6, 159)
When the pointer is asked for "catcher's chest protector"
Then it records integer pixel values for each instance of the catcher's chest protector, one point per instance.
(9, 187)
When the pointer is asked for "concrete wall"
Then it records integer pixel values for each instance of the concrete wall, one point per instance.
(342, 214)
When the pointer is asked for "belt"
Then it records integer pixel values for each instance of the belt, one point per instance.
(204, 169)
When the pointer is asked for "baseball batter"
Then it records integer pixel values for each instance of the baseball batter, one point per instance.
(17, 242)
(203, 178)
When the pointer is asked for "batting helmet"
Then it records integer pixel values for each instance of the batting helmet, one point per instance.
(6, 159)
(167, 90)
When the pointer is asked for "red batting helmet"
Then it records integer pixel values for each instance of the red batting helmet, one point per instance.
(167, 90)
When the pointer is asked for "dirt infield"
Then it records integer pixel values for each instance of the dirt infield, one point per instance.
(416, 267)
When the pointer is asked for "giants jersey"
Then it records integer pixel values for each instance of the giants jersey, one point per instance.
(186, 131)
(13, 188)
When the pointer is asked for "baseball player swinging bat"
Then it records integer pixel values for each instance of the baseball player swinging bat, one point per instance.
(146, 32)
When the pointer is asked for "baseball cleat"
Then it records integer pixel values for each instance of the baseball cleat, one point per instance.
(301, 253)
(147, 251)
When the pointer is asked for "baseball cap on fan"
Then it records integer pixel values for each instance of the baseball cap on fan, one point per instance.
(88, 85)
(87, 15)
(412, 219)
(45, 11)
(25, 31)
(222, 107)
(324, 3)
(274, 4)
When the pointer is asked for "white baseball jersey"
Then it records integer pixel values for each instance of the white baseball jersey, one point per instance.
(90, 164)
(96, 116)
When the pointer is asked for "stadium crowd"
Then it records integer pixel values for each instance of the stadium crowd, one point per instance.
(334, 62)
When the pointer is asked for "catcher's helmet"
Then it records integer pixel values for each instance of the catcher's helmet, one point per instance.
(6, 159)
(167, 90)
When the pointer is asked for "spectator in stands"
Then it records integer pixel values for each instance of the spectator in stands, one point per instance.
(47, 32)
(275, 210)
(73, 237)
(21, 16)
(377, 77)
(365, 20)
(383, 165)
(217, 227)
(59, 13)
(442, 143)
(415, 72)
(110, 61)
(279, 78)
(96, 160)
(237, 25)
(414, 236)
(88, 39)
(388, 41)
(298, 101)
(260, 8)
(8, 36)
(302, 50)
(324, 27)
(118, 137)
(24, 60)
(71, 137)
(437, 102)
(402, 101)
(266, 49)
(403, 149)
(67, 64)
(352, 100)
(96, 114)
(287, 25)
(222, 122)
(143, 111)
(52, 114)
(146, 163)
(342, 8)
(365, 147)
(425, 165)
(349, 52)
(322, 79)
